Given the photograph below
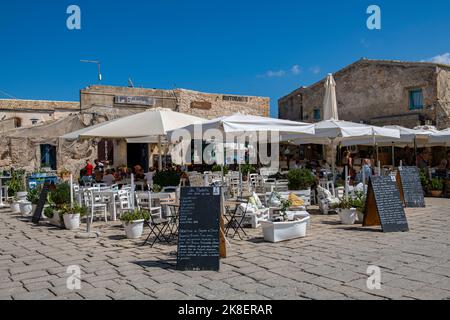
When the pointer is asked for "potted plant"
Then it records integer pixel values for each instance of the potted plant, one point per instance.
(58, 199)
(64, 174)
(285, 227)
(33, 197)
(72, 215)
(46, 167)
(53, 216)
(346, 210)
(16, 186)
(218, 168)
(15, 205)
(246, 170)
(436, 187)
(133, 223)
(359, 203)
(424, 180)
(301, 180)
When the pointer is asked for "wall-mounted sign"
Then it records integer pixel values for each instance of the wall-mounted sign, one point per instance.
(135, 100)
(204, 105)
(235, 98)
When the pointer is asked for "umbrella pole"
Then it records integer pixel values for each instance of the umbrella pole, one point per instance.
(415, 150)
(132, 191)
(160, 154)
(393, 155)
(333, 161)
(71, 191)
(223, 164)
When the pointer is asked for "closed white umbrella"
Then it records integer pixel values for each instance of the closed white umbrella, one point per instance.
(330, 102)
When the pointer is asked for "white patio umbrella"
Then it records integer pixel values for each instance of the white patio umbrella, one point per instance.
(239, 124)
(440, 137)
(408, 137)
(153, 123)
(345, 132)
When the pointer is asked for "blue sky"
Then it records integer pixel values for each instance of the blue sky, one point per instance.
(265, 48)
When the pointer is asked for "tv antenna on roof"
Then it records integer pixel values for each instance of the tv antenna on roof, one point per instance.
(130, 83)
(98, 66)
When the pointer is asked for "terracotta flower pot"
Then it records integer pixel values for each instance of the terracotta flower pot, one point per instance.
(436, 193)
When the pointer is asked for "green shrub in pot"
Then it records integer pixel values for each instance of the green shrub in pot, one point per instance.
(34, 194)
(135, 215)
(300, 179)
(218, 168)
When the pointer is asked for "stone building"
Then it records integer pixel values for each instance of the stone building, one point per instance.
(205, 105)
(379, 92)
(23, 113)
(26, 144)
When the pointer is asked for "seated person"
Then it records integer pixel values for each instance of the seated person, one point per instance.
(109, 178)
(441, 171)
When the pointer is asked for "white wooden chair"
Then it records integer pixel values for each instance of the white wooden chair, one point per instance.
(144, 202)
(94, 204)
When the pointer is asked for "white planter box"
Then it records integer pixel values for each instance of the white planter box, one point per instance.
(281, 231)
(56, 220)
(360, 216)
(72, 221)
(134, 229)
(26, 208)
(15, 207)
(348, 216)
(22, 195)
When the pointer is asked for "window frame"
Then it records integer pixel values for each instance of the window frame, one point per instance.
(411, 93)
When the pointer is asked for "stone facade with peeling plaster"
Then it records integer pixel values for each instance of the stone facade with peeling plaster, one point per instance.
(377, 92)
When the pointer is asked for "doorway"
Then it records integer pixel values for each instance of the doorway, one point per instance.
(137, 154)
(48, 156)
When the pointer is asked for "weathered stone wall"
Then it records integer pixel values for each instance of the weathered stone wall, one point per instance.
(178, 99)
(374, 92)
(259, 106)
(443, 109)
(42, 110)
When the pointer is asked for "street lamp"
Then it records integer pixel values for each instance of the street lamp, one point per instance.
(98, 66)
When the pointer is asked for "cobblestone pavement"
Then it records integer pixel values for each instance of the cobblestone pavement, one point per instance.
(330, 263)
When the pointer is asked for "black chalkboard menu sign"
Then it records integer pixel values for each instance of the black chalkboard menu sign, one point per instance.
(40, 206)
(199, 229)
(411, 191)
(384, 206)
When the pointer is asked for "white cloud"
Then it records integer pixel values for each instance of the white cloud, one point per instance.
(315, 70)
(442, 59)
(275, 74)
(296, 69)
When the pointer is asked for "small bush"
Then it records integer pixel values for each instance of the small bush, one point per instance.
(135, 216)
(300, 179)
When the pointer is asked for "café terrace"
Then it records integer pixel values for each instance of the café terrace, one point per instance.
(199, 204)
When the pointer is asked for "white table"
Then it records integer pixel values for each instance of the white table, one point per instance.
(2, 205)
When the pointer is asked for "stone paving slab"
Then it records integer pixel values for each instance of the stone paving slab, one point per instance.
(330, 263)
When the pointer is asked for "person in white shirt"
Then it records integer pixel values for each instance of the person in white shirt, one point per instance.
(108, 178)
(149, 177)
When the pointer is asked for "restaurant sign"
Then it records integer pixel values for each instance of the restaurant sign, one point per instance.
(203, 105)
(135, 100)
